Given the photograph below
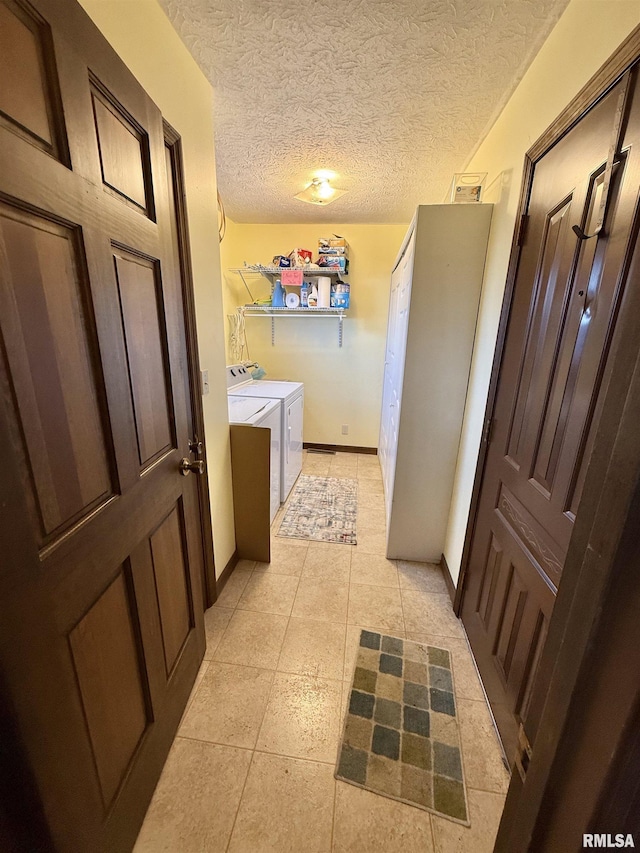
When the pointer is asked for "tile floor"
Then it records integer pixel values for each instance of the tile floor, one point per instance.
(251, 769)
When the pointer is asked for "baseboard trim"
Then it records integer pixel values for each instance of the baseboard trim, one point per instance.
(451, 587)
(340, 448)
(226, 572)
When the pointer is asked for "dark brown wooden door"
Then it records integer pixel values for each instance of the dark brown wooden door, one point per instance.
(565, 306)
(101, 625)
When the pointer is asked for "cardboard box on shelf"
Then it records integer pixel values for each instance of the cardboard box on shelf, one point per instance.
(332, 242)
(333, 250)
(336, 262)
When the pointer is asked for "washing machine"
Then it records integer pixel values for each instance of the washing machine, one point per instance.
(266, 413)
(291, 397)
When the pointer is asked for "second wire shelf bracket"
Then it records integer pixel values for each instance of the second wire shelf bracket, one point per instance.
(270, 311)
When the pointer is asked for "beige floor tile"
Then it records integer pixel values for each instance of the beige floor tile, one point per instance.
(313, 648)
(216, 620)
(322, 600)
(245, 566)
(344, 703)
(233, 588)
(345, 460)
(481, 752)
(377, 606)
(430, 613)
(371, 487)
(204, 666)
(182, 816)
(229, 705)
(352, 644)
(328, 562)
(302, 718)
(369, 473)
(269, 593)
(371, 520)
(252, 639)
(286, 807)
(485, 812)
(369, 823)
(467, 683)
(341, 472)
(424, 577)
(373, 570)
(368, 502)
(372, 542)
(316, 469)
(287, 557)
(367, 460)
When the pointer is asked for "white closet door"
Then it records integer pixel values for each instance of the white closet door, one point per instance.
(394, 366)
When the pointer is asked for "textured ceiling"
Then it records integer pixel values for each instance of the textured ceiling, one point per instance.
(391, 96)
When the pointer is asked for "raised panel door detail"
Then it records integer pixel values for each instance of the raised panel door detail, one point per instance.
(143, 319)
(170, 572)
(124, 151)
(552, 281)
(511, 619)
(487, 597)
(26, 104)
(51, 382)
(107, 661)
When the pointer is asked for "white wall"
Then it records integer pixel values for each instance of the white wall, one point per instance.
(141, 34)
(584, 38)
(342, 385)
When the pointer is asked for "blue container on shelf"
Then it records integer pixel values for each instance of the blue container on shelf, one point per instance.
(340, 295)
(279, 295)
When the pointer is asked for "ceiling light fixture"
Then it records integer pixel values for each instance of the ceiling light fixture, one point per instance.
(320, 191)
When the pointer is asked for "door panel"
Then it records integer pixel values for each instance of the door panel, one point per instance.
(113, 697)
(28, 95)
(101, 616)
(143, 319)
(124, 150)
(45, 320)
(172, 585)
(564, 310)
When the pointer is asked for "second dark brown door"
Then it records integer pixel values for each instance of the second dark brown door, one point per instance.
(567, 297)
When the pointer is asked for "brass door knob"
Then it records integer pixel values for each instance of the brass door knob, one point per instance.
(186, 466)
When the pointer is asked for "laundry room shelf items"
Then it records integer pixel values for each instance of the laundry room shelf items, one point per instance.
(271, 272)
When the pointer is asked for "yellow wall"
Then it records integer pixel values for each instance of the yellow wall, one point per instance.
(584, 38)
(143, 37)
(342, 385)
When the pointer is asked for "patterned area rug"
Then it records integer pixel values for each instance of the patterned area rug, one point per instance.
(323, 509)
(401, 736)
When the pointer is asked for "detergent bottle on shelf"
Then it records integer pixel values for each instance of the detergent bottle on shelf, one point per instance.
(279, 295)
(313, 297)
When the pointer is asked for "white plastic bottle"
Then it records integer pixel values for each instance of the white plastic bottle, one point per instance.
(313, 297)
